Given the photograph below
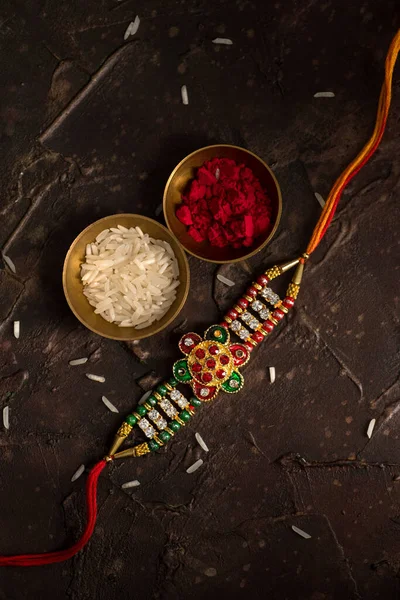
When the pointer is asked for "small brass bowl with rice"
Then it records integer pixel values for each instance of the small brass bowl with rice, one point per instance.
(126, 277)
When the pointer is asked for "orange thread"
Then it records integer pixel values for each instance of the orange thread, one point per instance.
(366, 152)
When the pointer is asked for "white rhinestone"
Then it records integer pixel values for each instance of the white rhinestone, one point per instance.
(257, 305)
(204, 392)
(168, 408)
(233, 383)
(182, 402)
(188, 342)
(235, 326)
(254, 323)
(147, 428)
(175, 394)
(246, 317)
(157, 419)
(243, 333)
(270, 296)
(264, 314)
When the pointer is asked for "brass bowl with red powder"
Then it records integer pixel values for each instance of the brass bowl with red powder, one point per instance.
(186, 171)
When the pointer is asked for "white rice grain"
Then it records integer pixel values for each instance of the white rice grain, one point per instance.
(371, 427)
(130, 484)
(184, 94)
(98, 378)
(78, 361)
(132, 28)
(131, 278)
(272, 374)
(225, 41)
(17, 329)
(194, 466)
(6, 417)
(109, 405)
(225, 280)
(201, 442)
(303, 534)
(324, 95)
(320, 199)
(9, 263)
(78, 473)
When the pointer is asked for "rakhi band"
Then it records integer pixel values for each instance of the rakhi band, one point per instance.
(213, 363)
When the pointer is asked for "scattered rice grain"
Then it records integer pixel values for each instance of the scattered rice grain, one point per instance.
(194, 466)
(303, 534)
(130, 484)
(201, 442)
(320, 199)
(225, 280)
(109, 405)
(324, 95)
(9, 263)
(226, 41)
(6, 417)
(272, 374)
(184, 94)
(144, 397)
(78, 361)
(132, 28)
(371, 427)
(98, 378)
(17, 329)
(78, 473)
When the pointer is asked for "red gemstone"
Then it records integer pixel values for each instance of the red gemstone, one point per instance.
(224, 359)
(268, 325)
(221, 373)
(200, 353)
(191, 407)
(232, 313)
(262, 280)
(278, 314)
(224, 324)
(207, 377)
(213, 350)
(196, 367)
(249, 346)
(251, 291)
(288, 302)
(243, 303)
(257, 336)
(210, 363)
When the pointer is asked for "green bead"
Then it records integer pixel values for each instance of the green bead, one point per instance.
(174, 425)
(153, 445)
(184, 415)
(162, 390)
(195, 401)
(141, 410)
(131, 420)
(173, 382)
(164, 436)
(152, 400)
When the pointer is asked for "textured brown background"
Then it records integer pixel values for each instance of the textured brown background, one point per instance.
(294, 452)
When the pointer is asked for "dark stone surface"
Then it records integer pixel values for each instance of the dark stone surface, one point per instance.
(91, 125)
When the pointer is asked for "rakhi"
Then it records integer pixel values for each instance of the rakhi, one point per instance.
(213, 363)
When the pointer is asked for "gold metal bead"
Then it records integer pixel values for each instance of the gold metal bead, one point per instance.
(142, 449)
(289, 265)
(147, 406)
(284, 309)
(238, 309)
(190, 410)
(257, 286)
(273, 272)
(248, 298)
(274, 321)
(169, 431)
(180, 421)
(298, 274)
(157, 439)
(249, 339)
(125, 429)
(293, 290)
(157, 395)
(169, 387)
(128, 453)
(228, 320)
(137, 416)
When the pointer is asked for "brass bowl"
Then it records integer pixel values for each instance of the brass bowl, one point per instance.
(73, 287)
(186, 170)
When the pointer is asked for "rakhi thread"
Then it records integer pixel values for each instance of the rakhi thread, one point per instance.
(217, 337)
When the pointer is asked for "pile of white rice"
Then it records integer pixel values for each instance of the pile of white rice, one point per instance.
(129, 278)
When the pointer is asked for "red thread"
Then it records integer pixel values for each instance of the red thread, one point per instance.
(47, 558)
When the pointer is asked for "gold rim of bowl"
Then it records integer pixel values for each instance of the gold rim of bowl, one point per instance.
(128, 333)
(278, 192)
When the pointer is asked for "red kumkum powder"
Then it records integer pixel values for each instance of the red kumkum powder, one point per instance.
(225, 204)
